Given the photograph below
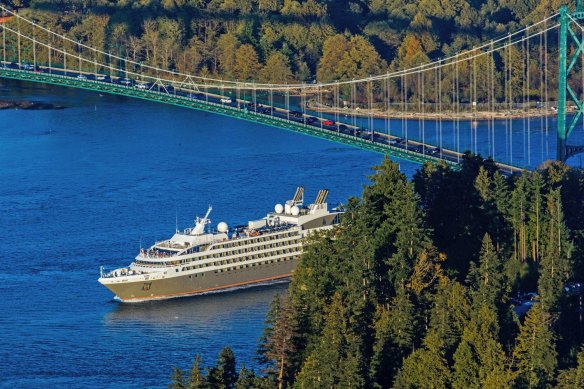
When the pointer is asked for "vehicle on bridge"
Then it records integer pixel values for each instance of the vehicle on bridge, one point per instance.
(226, 100)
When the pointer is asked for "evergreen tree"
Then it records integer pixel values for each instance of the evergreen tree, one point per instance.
(177, 379)
(223, 375)
(555, 265)
(196, 379)
(487, 281)
(337, 348)
(396, 330)
(246, 379)
(573, 378)
(479, 358)
(277, 342)
(426, 367)
(450, 313)
(535, 356)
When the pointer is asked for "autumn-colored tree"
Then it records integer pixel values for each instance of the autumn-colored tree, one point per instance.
(246, 63)
(276, 70)
(226, 53)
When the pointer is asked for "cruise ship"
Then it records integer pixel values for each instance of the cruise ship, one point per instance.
(200, 260)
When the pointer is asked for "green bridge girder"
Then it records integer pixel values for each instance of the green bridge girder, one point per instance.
(180, 101)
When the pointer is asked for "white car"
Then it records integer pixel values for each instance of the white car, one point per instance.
(226, 100)
(141, 86)
(100, 77)
(82, 77)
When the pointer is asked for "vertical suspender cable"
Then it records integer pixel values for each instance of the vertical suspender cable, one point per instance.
(336, 105)
(319, 105)
(509, 97)
(506, 57)
(489, 99)
(524, 90)
(436, 86)
(354, 105)
(18, 42)
(387, 105)
(370, 92)
(288, 104)
(405, 109)
(419, 98)
(528, 103)
(3, 40)
(493, 101)
(541, 97)
(440, 106)
(457, 113)
(34, 62)
(546, 96)
(389, 114)
(453, 107)
(474, 103)
(422, 116)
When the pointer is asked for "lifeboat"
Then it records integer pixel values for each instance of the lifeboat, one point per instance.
(6, 19)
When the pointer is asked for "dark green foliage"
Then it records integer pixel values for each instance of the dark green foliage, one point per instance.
(487, 281)
(426, 367)
(479, 360)
(573, 378)
(413, 289)
(336, 360)
(555, 266)
(535, 356)
(196, 379)
(223, 375)
(450, 314)
(177, 380)
(277, 343)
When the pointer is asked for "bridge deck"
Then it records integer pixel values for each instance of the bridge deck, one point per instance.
(409, 150)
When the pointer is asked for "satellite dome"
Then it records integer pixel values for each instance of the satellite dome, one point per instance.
(279, 208)
(295, 210)
(222, 227)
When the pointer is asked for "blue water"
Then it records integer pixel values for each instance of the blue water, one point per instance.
(85, 186)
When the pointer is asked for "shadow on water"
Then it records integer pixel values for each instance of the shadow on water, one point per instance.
(196, 310)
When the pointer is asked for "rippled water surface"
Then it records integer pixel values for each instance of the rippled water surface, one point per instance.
(85, 186)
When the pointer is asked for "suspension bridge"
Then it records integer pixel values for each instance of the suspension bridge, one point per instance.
(517, 99)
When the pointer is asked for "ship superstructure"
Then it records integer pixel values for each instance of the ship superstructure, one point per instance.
(198, 260)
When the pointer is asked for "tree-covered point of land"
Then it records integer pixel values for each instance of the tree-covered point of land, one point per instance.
(421, 286)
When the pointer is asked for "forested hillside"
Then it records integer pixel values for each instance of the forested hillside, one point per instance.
(459, 279)
(285, 40)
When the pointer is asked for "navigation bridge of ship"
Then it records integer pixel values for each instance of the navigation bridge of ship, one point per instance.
(517, 99)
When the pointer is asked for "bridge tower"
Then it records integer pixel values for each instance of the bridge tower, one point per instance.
(569, 38)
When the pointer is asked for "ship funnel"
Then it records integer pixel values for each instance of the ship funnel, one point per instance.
(321, 197)
(298, 196)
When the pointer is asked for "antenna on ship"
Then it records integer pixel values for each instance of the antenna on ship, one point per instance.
(176, 218)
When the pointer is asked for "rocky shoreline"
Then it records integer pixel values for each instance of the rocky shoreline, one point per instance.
(30, 105)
